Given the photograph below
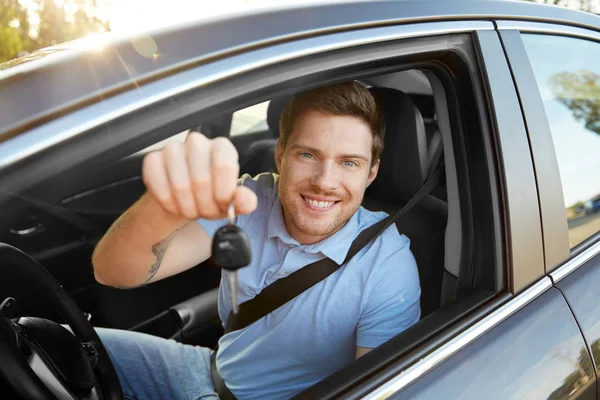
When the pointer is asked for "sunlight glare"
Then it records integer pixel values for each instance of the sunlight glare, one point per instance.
(93, 42)
(70, 8)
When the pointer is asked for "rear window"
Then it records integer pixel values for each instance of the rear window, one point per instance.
(250, 120)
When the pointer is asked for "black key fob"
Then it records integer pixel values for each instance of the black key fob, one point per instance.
(230, 248)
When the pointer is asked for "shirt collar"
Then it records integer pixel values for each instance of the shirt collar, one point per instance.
(334, 247)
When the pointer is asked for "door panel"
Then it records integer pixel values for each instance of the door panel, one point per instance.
(580, 288)
(537, 353)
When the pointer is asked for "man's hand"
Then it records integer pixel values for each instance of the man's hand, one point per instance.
(197, 179)
(157, 237)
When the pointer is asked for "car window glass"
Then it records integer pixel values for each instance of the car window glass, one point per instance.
(567, 71)
(250, 120)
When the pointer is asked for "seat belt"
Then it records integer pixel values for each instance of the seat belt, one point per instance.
(283, 290)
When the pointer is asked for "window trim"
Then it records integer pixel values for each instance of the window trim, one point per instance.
(462, 340)
(556, 234)
(548, 28)
(524, 239)
(549, 185)
(574, 263)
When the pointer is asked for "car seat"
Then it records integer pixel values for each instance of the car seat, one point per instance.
(402, 172)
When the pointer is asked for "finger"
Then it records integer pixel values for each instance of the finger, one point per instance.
(198, 159)
(155, 178)
(225, 171)
(179, 178)
(245, 200)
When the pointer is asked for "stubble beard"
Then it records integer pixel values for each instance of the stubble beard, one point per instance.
(324, 227)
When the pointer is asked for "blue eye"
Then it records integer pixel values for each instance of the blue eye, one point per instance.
(350, 163)
(306, 155)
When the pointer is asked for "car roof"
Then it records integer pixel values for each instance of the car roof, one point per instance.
(54, 81)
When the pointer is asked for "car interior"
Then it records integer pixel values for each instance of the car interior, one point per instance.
(58, 223)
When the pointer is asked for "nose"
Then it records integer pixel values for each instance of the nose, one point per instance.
(325, 177)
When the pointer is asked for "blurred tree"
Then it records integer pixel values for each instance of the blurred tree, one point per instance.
(55, 25)
(14, 29)
(580, 92)
(581, 375)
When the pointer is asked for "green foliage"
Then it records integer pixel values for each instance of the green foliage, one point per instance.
(580, 93)
(14, 28)
(55, 25)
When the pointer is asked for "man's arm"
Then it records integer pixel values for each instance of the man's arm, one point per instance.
(159, 236)
(146, 244)
(391, 296)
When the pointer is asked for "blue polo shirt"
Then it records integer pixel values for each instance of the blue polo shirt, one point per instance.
(372, 298)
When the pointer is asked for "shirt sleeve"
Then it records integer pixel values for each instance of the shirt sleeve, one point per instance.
(391, 301)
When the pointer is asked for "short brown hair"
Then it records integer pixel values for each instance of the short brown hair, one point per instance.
(348, 98)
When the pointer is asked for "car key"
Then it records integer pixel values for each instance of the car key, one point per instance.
(231, 251)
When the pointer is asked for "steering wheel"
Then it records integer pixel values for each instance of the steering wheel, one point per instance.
(39, 359)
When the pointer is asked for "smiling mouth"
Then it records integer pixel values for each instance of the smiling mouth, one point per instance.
(321, 205)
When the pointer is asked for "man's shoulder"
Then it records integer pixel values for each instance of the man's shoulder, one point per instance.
(389, 258)
(265, 186)
(390, 240)
(264, 183)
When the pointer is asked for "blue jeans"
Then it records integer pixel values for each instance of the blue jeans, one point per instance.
(150, 367)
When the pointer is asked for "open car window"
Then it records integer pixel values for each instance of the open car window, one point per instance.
(249, 120)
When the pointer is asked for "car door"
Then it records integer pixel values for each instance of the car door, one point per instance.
(564, 99)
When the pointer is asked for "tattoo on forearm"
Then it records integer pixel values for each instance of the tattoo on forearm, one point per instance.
(159, 250)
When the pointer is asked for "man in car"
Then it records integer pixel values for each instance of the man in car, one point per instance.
(328, 153)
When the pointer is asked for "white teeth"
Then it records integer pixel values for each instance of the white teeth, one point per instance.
(320, 204)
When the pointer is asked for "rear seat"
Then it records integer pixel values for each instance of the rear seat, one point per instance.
(260, 156)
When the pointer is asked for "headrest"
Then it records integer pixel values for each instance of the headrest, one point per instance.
(403, 166)
(274, 111)
(216, 126)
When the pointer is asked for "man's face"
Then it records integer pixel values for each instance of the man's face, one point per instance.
(324, 171)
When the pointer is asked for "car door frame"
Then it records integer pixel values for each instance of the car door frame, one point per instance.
(561, 261)
(552, 208)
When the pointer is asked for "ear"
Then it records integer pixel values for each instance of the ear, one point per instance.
(278, 155)
(373, 172)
